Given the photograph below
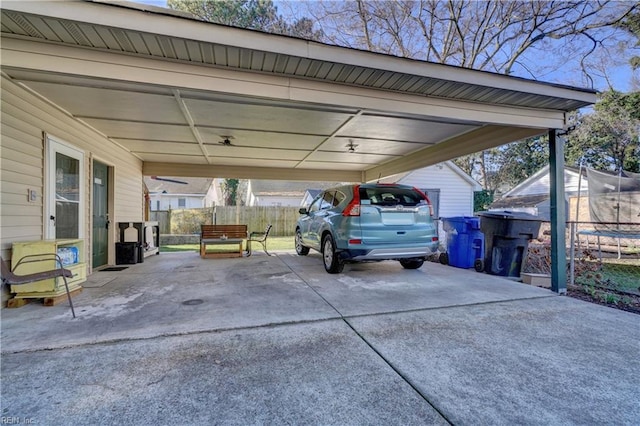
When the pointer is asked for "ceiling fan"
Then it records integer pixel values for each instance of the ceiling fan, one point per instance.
(226, 140)
(168, 180)
(351, 147)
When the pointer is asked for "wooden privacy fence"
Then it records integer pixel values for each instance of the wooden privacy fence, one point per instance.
(188, 221)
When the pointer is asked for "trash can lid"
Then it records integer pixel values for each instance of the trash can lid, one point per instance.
(506, 214)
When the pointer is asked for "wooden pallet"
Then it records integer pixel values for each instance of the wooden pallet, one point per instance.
(18, 302)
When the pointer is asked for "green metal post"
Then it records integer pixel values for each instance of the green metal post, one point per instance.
(558, 214)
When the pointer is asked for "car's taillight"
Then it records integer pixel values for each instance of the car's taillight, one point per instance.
(426, 198)
(353, 208)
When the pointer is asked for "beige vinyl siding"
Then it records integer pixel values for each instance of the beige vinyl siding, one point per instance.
(25, 117)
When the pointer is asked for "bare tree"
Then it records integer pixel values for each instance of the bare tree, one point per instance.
(485, 35)
(525, 38)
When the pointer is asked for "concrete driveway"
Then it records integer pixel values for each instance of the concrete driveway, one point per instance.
(276, 340)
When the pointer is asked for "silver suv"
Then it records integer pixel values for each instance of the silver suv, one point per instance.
(368, 222)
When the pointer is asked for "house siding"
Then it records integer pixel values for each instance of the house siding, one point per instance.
(542, 184)
(22, 158)
(456, 194)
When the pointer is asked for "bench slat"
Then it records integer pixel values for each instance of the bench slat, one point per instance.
(212, 234)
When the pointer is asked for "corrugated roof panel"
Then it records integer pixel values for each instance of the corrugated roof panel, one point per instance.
(123, 40)
(76, 32)
(233, 57)
(60, 31)
(314, 68)
(403, 80)
(153, 45)
(410, 82)
(334, 71)
(245, 58)
(207, 53)
(193, 49)
(167, 47)
(345, 72)
(94, 38)
(107, 38)
(118, 39)
(354, 74)
(180, 47)
(281, 63)
(18, 24)
(383, 80)
(292, 65)
(269, 62)
(303, 67)
(257, 60)
(325, 69)
(220, 55)
(138, 43)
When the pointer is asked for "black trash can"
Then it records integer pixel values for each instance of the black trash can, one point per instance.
(126, 253)
(506, 236)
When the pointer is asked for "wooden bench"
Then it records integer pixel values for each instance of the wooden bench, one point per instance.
(222, 234)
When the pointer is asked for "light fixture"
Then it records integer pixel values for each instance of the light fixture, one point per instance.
(351, 147)
(226, 140)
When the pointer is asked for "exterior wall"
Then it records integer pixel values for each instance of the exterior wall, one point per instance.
(541, 184)
(170, 201)
(275, 201)
(22, 158)
(456, 194)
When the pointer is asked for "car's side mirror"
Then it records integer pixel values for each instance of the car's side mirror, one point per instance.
(303, 210)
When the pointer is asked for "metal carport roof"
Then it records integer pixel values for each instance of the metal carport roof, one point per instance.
(169, 88)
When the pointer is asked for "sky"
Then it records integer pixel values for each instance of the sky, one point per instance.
(621, 76)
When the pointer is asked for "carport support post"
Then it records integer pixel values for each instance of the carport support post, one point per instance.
(558, 214)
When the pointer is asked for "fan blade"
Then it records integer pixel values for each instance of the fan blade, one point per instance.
(169, 180)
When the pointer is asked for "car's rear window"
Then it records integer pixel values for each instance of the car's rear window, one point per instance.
(390, 196)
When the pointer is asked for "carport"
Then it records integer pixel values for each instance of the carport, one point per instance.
(189, 98)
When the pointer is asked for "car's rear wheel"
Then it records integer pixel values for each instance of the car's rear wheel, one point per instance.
(332, 262)
(411, 263)
(300, 249)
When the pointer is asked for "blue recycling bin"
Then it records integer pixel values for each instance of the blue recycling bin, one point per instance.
(465, 241)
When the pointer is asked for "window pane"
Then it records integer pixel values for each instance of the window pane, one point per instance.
(67, 196)
(67, 178)
(67, 217)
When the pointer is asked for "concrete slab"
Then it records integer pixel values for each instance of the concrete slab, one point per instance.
(179, 339)
(542, 361)
(373, 288)
(171, 294)
(319, 373)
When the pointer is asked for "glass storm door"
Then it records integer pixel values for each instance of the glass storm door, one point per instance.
(100, 214)
(65, 215)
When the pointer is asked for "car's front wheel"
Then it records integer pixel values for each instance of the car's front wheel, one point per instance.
(411, 263)
(332, 262)
(300, 249)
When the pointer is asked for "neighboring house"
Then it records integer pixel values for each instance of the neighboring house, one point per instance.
(533, 195)
(309, 196)
(182, 193)
(448, 187)
(282, 193)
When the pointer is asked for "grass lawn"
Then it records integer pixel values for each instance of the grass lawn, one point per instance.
(273, 243)
(619, 274)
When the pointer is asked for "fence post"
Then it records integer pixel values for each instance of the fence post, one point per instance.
(572, 255)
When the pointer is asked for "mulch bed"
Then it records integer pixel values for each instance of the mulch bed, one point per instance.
(626, 302)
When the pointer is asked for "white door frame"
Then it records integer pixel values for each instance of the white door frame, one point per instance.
(53, 146)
